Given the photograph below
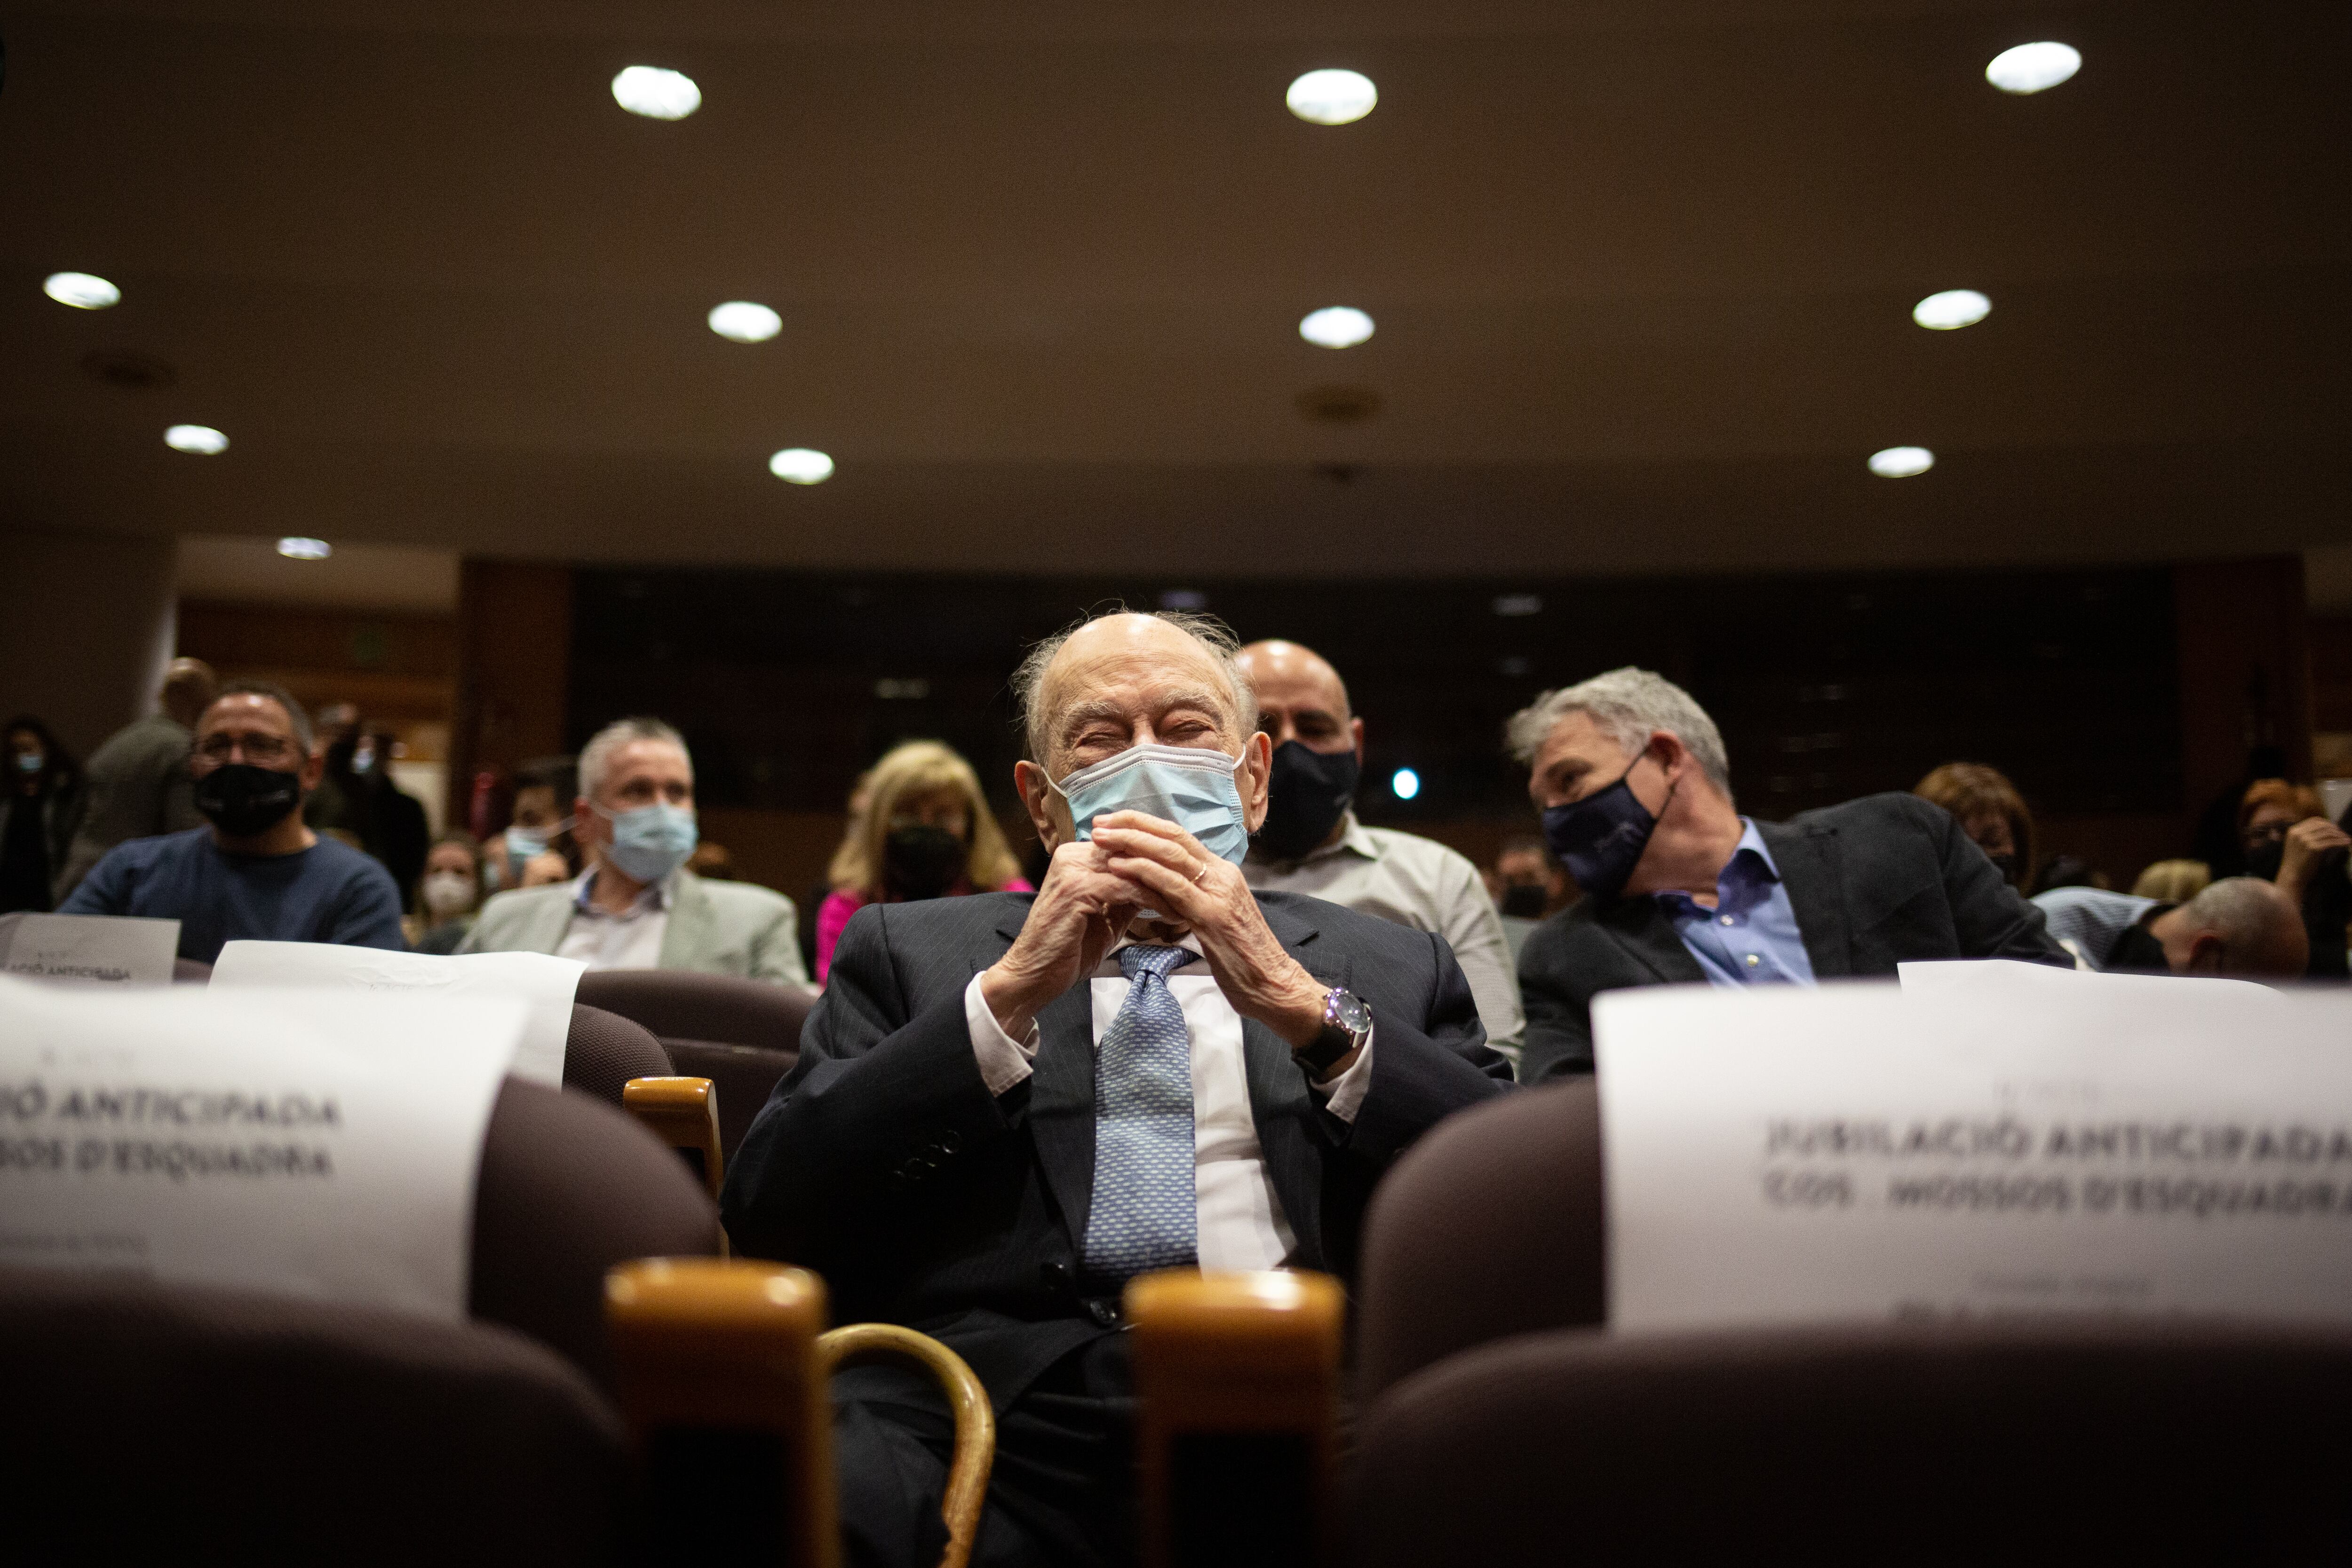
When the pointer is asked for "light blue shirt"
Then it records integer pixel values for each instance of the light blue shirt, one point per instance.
(1751, 936)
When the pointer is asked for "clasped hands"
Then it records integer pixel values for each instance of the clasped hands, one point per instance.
(1093, 891)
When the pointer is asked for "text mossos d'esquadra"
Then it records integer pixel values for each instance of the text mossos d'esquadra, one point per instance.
(2011, 1165)
(176, 1134)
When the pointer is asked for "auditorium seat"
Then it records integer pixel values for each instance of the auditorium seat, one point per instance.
(161, 1422)
(721, 1373)
(1237, 1383)
(2113, 1441)
(603, 1050)
(1489, 1226)
(191, 972)
(683, 1112)
(742, 1035)
(569, 1187)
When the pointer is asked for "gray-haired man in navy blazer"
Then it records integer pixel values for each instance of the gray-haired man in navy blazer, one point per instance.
(1008, 1104)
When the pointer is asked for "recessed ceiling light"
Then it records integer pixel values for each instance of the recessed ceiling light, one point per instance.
(655, 93)
(1901, 462)
(1336, 326)
(305, 550)
(80, 290)
(740, 321)
(1333, 98)
(1953, 307)
(201, 439)
(2030, 67)
(1405, 783)
(801, 465)
(1519, 604)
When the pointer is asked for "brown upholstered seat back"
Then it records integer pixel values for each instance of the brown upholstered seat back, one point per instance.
(1490, 1225)
(744, 1076)
(604, 1051)
(570, 1186)
(191, 972)
(722, 1009)
(155, 1423)
(2108, 1441)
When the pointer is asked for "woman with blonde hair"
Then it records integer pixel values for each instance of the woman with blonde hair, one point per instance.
(2173, 881)
(1989, 810)
(925, 832)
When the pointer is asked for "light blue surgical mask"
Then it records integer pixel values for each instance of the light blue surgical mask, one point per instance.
(1181, 784)
(651, 842)
(522, 844)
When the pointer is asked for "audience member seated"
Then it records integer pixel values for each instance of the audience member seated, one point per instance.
(136, 785)
(2288, 841)
(926, 831)
(2240, 925)
(449, 894)
(1009, 1105)
(356, 797)
(1528, 887)
(256, 871)
(2069, 870)
(537, 828)
(1312, 842)
(636, 906)
(2171, 882)
(40, 807)
(1989, 810)
(1635, 791)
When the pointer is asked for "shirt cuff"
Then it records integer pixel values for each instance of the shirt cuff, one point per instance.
(1344, 1094)
(1004, 1061)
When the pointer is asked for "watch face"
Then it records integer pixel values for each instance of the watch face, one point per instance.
(1349, 1012)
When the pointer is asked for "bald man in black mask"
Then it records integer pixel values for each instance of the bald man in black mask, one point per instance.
(1312, 843)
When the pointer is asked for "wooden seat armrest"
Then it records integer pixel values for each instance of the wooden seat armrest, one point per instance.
(684, 1113)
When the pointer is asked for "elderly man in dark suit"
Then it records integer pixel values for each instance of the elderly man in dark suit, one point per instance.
(1008, 1104)
(1635, 791)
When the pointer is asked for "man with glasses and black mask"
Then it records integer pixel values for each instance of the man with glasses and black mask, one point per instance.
(1312, 843)
(1635, 791)
(1008, 1106)
(256, 871)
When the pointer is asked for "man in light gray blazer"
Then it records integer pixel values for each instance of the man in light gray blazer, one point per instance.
(637, 906)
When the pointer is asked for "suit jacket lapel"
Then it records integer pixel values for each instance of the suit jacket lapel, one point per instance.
(1280, 1103)
(1061, 1090)
(688, 936)
(547, 922)
(1641, 928)
(1809, 865)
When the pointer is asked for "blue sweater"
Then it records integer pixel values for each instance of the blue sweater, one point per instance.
(328, 892)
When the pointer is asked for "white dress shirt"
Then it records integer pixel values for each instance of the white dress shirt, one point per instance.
(1411, 881)
(629, 940)
(1241, 1224)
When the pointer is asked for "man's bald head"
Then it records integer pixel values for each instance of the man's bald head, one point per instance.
(1300, 697)
(2239, 926)
(188, 689)
(1065, 677)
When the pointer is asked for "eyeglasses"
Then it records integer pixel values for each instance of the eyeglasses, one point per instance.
(257, 748)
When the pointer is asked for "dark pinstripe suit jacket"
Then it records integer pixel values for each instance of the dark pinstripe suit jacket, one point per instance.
(884, 1162)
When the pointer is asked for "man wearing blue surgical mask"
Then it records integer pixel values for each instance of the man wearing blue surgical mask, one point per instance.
(1008, 1106)
(1636, 790)
(636, 906)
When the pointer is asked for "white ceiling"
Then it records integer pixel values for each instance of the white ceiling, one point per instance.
(1642, 274)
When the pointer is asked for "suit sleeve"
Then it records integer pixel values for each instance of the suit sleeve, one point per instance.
(881, 1097)
(776, 948)
(1558, 1042)
(1426, 1068)
(1992, 920)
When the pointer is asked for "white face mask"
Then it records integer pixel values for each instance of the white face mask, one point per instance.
(447, 893)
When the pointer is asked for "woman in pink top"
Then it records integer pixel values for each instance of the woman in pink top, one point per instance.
(926, 833)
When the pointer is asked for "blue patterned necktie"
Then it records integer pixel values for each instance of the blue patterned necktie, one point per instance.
(1144, 1214)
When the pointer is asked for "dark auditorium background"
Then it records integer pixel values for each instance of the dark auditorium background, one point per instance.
(1643, 278)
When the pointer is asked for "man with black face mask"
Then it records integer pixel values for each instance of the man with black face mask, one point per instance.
(1312, 843)
(256, 871)
(1635, 791)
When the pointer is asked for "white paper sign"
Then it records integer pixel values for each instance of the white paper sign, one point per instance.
(88, 949)
(2022, 984)
(279, 1141)
(543, 984)
(1860, 1152)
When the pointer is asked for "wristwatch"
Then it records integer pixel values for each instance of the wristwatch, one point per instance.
(1346, 1024)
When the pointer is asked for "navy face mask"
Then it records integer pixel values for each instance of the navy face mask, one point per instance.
(1600, 838)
